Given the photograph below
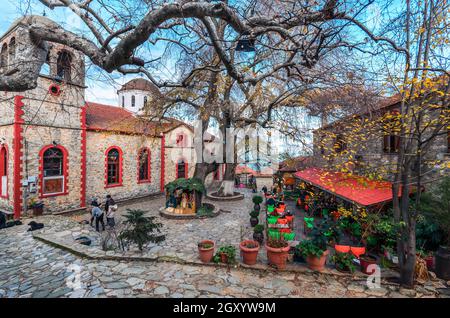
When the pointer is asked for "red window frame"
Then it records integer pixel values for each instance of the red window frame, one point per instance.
(149, 166)
(181, 140)
(4, 169)
(186, 172)
(119, 170)
(65, 174)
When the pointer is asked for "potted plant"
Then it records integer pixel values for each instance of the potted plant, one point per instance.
(206, 250)
(258, 233)
(249, 251)
(225, 254)
(315, 254)
(254, 218)
(343, 262)
(257, 200)
(366, 261)
(277, 252)
(37, 207)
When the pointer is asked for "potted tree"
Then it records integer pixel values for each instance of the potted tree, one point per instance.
(257, 200)
(206, 250)
(277, 252)
(254, 218)
(258, 233)
(140, 229)
(249, 251)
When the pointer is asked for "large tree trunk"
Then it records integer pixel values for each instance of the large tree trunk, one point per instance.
(227, 186)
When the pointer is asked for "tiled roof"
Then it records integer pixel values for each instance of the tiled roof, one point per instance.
(141, 84)
(102, 117)
(352, 188)
(384, 104)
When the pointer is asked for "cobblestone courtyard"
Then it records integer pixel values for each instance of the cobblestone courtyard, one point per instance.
(31, 268)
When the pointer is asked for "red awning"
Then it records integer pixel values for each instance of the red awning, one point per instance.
(356, 189)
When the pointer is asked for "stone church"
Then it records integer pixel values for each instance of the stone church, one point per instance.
(59, 149)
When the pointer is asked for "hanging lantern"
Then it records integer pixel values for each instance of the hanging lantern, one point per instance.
(246, 43)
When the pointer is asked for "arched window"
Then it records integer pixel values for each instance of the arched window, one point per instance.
(145, 100)
(113, 167)
(12, 52)
(4, 56)
(64, 66)
(181, 140)
(53, 170)
(3, 172)
(123, 101)
(144, 165)
(133, 100)
(182, 169)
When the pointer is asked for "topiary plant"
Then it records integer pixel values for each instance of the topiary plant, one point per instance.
(257, 199)
(140, 229)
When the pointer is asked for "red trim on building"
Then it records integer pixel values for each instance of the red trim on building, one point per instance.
(163, 163)
(83, 158)
(119, 184)
(149, 166)
(181, 140)
(17, 148)
(65, 171)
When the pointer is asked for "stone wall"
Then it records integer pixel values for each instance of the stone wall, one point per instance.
(54, 120)
(97, 145)
(364, 154)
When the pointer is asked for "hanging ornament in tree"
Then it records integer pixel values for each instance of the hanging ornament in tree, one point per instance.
(246, 43)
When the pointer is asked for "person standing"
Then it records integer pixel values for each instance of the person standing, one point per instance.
(110, 209)
(97, 214)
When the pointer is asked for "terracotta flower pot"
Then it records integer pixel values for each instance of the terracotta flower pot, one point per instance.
(277, 256)
(249, 254)
(206, 254)
(365, 261)
(342, 248)
(358, 250)
(317, 263)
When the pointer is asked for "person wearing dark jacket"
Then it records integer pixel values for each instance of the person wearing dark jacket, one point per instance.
(97, 213)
